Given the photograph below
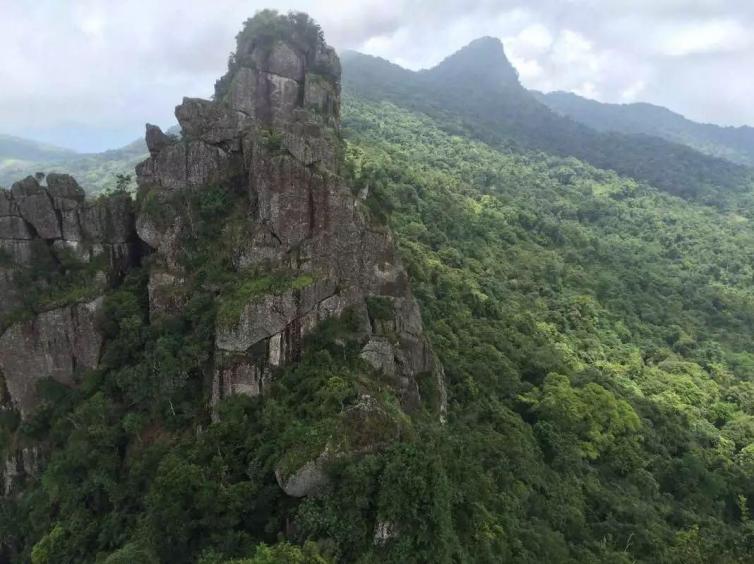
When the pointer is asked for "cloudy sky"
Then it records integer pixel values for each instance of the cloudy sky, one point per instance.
(88, 74)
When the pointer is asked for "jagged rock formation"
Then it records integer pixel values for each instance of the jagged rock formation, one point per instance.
(272, 132)
(55, 228)
(297, 248)
(59, 253)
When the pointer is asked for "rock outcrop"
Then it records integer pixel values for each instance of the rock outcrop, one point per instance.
(59, 254)
(272, 133)
(295, 245)
(46, 233)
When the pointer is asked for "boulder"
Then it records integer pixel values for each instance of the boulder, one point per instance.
(35, 206)
(283, 60)
(156, 139)
(57, 344)
(309, 480)
(62, 188)
(379, 353)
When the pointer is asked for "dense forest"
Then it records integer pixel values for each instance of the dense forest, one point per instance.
(476, 92)
(594, 325)
(733, 143)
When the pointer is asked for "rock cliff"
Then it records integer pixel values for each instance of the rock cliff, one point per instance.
(59, 254)
(247, 205)
(272, 134)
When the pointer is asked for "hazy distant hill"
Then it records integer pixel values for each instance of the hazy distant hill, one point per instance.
(27, 150)
(94, 171)
(476, 92)
(244, 378)
(733, 143)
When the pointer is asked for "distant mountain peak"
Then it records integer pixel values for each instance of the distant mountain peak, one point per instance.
(482, 60)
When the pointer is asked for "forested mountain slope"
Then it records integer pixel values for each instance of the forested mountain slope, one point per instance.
(17, 148)
(476, 92)
(733, 143)
(594, 330)
(97, 172)
(596, 337)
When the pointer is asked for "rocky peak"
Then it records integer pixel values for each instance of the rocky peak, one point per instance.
(271, 134)
(483, 61)
(60, 254)
(287, 245)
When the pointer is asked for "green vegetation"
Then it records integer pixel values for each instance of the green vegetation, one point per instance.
(248, 287)
(55, 278)
(269, 26)
(595, 336)
(595, 332)
(266, 28)
(476, 93)
(733, 143)
(272, 140)
(97, 173)
(380, 308)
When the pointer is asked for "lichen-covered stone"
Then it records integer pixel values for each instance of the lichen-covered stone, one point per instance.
(64, 187)
(309, 480)
(273, 132)
(57, 344)
(156, 139)
(35, 206)
(14, 227)
(52, 225)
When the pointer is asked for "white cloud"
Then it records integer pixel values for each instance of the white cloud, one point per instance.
(632, 93)
(110, 66)
(706, 37)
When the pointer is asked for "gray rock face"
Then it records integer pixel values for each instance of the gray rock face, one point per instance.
(271, 137)
(273, 132)
(57, 344)
(156, 139)
(35, 206)
(52, 225)
(309, 480)
(18, 464)
(14, 227)
(7, 205)
(64, 187)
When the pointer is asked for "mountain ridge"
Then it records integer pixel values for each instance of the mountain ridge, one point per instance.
(507, 115)
(733, 143)
(403, 337)
(21, 148)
